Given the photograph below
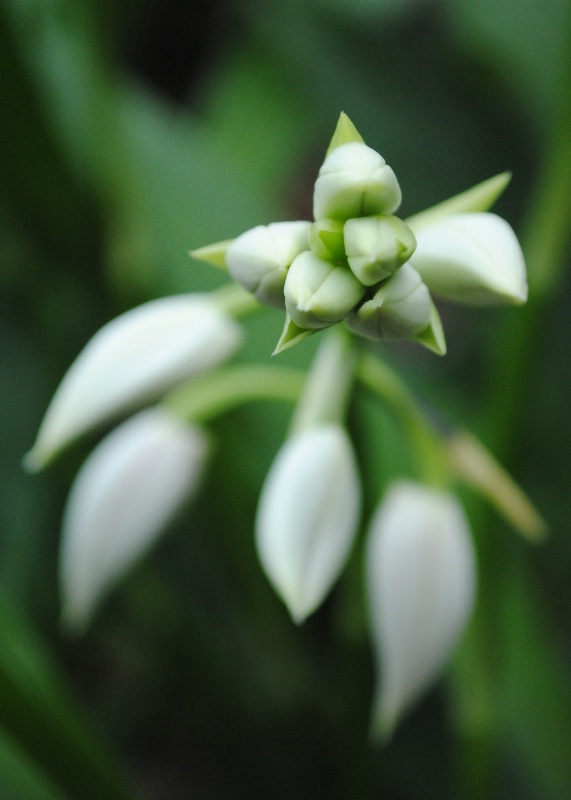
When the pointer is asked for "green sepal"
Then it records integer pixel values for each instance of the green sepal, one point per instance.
(214, 254)
(432, 337)
(344, 132)
(292, 334)
(479, 198)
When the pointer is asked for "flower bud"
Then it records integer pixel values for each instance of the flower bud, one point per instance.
(133, 360)
(307, 516)
(377, 246)
(326, 239)
(259, 259)
(355, 181)
(472, 258)
(317, 293)
(122, 498)
(421, 587)
(400, 309)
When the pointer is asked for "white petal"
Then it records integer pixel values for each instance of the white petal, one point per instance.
(122, 498)
(307, 516)
(131, 361)
(421, 584)
(472, 258)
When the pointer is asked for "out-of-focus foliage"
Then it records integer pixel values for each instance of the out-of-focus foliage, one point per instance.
(132, 132)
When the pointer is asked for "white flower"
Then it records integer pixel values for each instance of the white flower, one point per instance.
(472, 258)
(355, 181)
(259, 259)
(131, 361)
(122, 498)
(308, 515)
(421, 585)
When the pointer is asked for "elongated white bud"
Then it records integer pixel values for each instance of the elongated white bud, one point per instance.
(472, 258)
(355, 181)
(400, 309)
(133, 360)
(377, 246)
(122, 498)
(318, 293)
(307, 516)
(421, 586)
(259, 258)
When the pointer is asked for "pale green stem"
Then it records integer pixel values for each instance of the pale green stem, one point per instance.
(234, 300)
(203, 398)
(329, 383)
(432, 463)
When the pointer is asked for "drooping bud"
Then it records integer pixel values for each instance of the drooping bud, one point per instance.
(355, 181)
(133, 360)
(326, 239)
(259, 259)
(317, 293)
(472, 258)
(307, 516)
(421, 586)
(122, 498)
(400, 309)
(377, 246)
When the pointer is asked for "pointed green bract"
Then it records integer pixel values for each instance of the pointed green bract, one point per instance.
(432, 337)
(344, 132)
(479, 198)
(292, 334)
(214, 254)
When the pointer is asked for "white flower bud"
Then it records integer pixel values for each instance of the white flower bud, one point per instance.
(472, 258)
(132, 360)
(355, 181)
(308, 516)
(259, 259)
(326, 239)
(377, 246)
(421, 586)
(317, 293)
(400, 309)
(122, 498)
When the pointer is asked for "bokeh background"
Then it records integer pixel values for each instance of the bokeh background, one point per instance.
(134, 130)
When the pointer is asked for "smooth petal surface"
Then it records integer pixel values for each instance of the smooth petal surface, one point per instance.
(122, 498)
(259, 259)
(472, 258)
(133, 360)
(307, 516)
(421, 586)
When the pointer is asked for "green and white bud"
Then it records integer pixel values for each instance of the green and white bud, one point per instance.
(259, 259)
(326, 240)
(472, 258)
(377, 246)
(400, 309)
(355, 181)
(318, 294)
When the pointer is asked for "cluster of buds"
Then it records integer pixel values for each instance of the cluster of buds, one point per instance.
(360, 263)
(356, 263)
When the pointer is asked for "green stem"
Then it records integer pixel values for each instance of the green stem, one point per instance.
(234, 300)
(328, 386)
(430, 455)
(203, 398)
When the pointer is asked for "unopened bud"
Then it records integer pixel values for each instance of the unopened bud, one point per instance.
(355, 181)
(400, 309)
(326, 239)
(377, 246)
(259, 259)
(318, 294)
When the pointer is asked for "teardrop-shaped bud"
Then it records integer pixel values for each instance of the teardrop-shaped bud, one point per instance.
(318, 293)
(122, 498)
(400, 309)
(355, 181)
(472, 258)
(259, 259)
(133, 360)
(307, 516)
(421, 586)
(377, 246)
